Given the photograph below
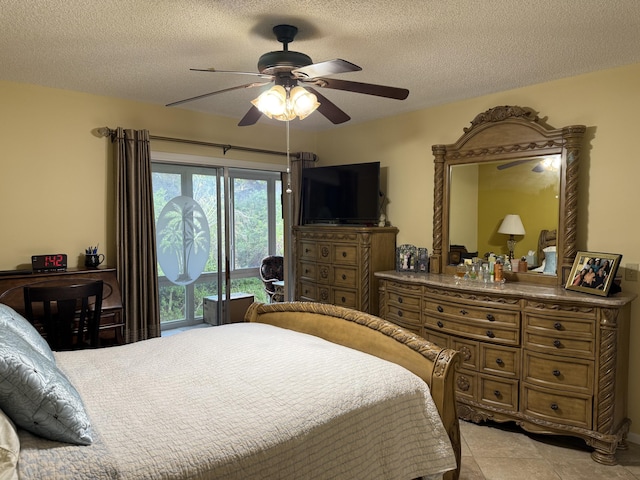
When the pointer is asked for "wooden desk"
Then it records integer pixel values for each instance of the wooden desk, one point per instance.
(111, 321)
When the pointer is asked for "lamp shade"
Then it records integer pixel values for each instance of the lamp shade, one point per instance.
(512, 225)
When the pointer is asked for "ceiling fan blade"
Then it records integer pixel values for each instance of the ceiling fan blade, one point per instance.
(513, 164)
(255, 74)
(205, 95)
(330, 67)
(366, 88)
(251, 117)
(329, 109)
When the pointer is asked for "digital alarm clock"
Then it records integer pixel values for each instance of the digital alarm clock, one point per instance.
(55, 262)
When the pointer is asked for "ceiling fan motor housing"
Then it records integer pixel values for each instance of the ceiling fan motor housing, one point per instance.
(282, 61)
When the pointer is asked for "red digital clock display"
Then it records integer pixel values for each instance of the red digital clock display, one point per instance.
(56, 262)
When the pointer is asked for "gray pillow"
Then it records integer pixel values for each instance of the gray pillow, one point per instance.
(37, 396)
(12, 320)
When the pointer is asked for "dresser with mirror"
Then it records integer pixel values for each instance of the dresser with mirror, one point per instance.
(552, 360)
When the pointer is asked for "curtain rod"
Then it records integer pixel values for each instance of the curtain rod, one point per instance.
(109, 132)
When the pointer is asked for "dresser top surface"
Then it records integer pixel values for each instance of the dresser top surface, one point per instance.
(516, 289)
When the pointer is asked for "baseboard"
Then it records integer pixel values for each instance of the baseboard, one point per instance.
(634, 438)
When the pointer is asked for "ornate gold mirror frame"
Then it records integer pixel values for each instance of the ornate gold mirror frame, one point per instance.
(511, 133)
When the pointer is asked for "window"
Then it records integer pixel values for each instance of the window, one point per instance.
(253, 220)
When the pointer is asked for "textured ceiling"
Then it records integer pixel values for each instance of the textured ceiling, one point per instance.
(441, 50)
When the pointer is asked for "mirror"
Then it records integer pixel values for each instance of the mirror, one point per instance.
(507, 162)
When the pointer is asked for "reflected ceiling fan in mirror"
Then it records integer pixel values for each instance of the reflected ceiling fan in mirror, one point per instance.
(544, 164)
(295, 78)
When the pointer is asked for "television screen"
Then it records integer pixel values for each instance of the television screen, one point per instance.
(341, 194)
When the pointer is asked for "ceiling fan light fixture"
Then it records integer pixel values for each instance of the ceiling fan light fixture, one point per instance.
(283, 105)
(302, 102)
(273, 102)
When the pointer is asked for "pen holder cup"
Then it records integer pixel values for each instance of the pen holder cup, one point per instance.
(93, 260)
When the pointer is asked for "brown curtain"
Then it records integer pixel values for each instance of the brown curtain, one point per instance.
(304, 160)
(136, 258)
(301, 161)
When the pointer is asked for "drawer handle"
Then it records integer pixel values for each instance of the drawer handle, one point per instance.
(306, 250)
(440, 309)
(306, 271)
(490, 317)
(499, 361)
(344, 254)
(557, 343)
(490, 334)
(400, 300)
(497, 393)
(556, 373)
(554, 406)
(464, 312)
(344, 277)
(344, 300)
(399, 313)
(557, 326)
(440, 324)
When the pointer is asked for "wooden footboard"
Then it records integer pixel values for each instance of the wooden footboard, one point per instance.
(378, 337)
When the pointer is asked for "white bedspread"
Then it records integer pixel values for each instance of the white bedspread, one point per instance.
(244, 401)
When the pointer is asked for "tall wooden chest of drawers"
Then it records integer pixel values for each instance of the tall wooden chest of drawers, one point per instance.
(336, 264)
(552, 360)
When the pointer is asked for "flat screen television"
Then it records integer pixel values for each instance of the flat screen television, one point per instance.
(341, 194)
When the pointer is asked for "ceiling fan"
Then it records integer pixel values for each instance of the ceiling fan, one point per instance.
(549, 163)
(287, 68)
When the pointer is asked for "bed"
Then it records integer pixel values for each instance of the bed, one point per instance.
(278, 396)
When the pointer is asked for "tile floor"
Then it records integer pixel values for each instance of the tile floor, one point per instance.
(504, 452)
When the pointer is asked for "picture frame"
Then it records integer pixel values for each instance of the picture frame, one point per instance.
(423, 260)
(406, 258)
(593, 272)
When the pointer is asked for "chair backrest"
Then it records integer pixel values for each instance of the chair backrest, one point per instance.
(69, 313)
(271, 268)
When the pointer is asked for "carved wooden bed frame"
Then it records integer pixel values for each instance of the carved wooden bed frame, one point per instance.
(375, 336)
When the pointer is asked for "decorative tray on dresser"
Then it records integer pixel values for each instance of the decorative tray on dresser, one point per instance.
(552, 360)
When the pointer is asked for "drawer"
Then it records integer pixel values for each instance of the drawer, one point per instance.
(491, 315)
(411, 327)
(307, 291)
(499, 392)
(475, 330)
(308, 251)
(556, 407)
(571, 327)
(468, 351)
(560, 344)
(308, 271)
(345, 298)
(345, 276)
(405, 315)
(345, 254)
(441, 340)
(466, 383)
(403, 300)
(558, 372)
(502, 361)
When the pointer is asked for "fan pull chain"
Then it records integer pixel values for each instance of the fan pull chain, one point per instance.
(288, 163)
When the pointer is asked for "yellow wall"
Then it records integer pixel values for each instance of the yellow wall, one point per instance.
(606, 102)
(56, 181)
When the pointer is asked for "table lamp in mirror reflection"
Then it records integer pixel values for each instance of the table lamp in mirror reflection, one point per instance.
(512, 226)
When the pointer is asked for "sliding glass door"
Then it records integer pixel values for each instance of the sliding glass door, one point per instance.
(214, 226)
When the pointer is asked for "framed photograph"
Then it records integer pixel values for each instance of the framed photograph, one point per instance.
(593, 272)
(423, 260)
(406, 258)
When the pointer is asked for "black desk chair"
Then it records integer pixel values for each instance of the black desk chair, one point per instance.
(272, 270)
(69, 315)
